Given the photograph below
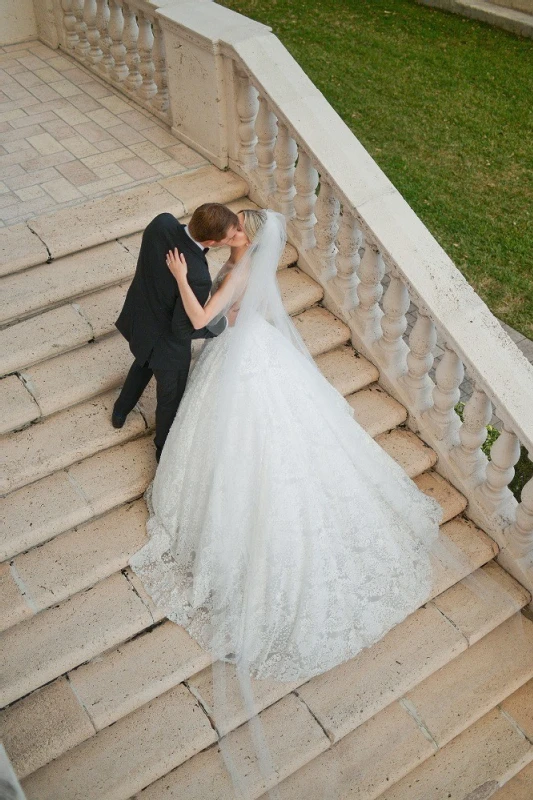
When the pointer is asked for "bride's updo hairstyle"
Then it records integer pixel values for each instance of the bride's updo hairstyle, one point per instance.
(253, 221)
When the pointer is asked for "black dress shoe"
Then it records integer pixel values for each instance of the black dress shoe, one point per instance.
(117, 419)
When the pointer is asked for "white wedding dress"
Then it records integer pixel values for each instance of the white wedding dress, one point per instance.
(280, 532)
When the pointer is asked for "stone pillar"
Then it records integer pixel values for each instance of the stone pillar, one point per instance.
(202, 95)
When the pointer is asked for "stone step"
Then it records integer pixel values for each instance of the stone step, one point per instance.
(109, 687)
(77, 559)
(63, 439)
(321, 331)
(520, 787)
(18, 406)
(376, 411)
(38, 512)
(104, 219)
(385, 748)
(54, 641)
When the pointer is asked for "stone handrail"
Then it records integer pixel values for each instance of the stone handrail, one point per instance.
(236, 95)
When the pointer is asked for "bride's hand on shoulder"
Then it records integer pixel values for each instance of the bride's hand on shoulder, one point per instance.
(177, 264)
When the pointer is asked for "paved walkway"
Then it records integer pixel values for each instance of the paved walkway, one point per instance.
(66, 136)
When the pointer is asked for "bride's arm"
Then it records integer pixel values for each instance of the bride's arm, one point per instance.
(198, 315)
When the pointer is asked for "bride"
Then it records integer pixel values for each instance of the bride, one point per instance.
(281, 535)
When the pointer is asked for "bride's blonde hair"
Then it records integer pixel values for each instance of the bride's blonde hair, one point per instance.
(254, 219)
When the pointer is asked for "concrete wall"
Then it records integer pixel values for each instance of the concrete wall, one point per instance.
(519, 5)
(17, 21)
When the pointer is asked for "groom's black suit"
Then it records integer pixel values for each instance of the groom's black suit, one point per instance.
(155, 323)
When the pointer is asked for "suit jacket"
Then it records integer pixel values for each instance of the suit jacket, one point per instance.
(153, 318)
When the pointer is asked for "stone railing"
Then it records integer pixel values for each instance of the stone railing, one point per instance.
(237, 96)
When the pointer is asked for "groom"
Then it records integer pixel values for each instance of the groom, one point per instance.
(153, 318)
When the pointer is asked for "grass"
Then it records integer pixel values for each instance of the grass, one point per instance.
(443, 105)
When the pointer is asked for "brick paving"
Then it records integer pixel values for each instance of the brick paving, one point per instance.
(66, 136)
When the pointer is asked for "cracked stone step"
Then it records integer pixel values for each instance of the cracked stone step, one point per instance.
(392, 743)
(18, 406)
(42, 337)
(78, 274)
(20, 248)
(376, 411)
(36, 513)
(471, 765)
(115, 763)
(60, 638)
(104, 219)
(63, 439)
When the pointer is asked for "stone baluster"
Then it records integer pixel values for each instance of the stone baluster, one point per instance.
(103, 15)
(327, 210)
(504, 454)
(422, 341)
(266, 127)
(131, 35)
(306, 181)
(160, 100)
(247, 108)
(448, 377)
(520, 533)
(118, 49)
(285, 153)
(93, 34)
(82, 45)
(368, 314)
(145, 43)
(69, 21)
(394, 323)
(472, 433)
(349, 240)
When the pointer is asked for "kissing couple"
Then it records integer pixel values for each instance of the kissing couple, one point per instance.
(281, 535)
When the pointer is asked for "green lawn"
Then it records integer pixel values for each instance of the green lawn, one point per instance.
(445, 107)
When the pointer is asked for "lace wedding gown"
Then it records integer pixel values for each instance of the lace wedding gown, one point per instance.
(297, 541)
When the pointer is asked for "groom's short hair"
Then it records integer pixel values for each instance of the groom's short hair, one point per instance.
(211, 221)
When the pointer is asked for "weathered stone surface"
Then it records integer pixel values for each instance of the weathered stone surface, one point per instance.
(298, 290)
(75, 376)
(42, 337)
(478, 603)
(483, 754)
(13, 605)
(58, 639)
(192, 188)
(101, 309)
(77, 274)
(42, 726)
(321, 331)
(520, 787)
(80, 558)
(122, 680)
(434, 485)
(64, 438)
(347, 370)
(520, 704)
(129, 755)
(293, 739)
(363, 763)
(407, 654)
(408, 450)
(461, 549)
(20, 248)
(17, 404)
(476, 681)
(376, 411)
(105, 218)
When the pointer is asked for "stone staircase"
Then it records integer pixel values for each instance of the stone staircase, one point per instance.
(104, 698)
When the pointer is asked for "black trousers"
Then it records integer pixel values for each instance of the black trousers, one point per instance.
(170, 386)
